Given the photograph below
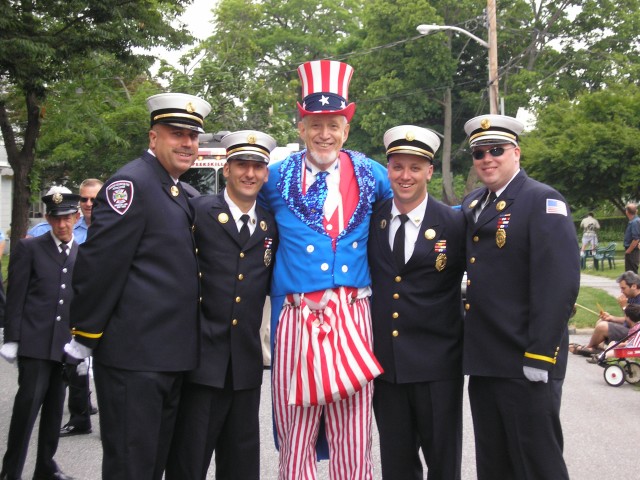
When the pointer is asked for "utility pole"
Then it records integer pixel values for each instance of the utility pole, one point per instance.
(493, 56)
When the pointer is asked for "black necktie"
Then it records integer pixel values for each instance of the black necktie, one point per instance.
(63, 250)
(487, 200)
(398, 242)
(244, 230)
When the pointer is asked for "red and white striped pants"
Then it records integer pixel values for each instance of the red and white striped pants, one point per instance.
(347, 422)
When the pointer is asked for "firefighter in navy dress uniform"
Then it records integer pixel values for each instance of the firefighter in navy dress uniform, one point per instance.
(36, 330)
(523, 271)
(416, 309)
(236, 241)
(136, 293)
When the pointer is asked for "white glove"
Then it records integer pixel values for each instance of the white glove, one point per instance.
(83, 368)
(535, 374)
(77, 350)
(9, 351)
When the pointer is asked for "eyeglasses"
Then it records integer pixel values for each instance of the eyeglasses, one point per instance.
(86, 199)
(495, 152)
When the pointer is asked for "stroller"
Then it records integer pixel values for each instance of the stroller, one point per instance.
(619, 369)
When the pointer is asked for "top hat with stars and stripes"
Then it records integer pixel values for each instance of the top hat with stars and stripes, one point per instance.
(325, 88)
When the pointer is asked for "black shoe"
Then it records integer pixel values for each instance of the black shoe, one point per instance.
(93, 410)
(54, 476)
(71, 430)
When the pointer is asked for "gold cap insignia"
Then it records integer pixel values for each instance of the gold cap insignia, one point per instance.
(174, 191)
(190, 108)
(263, 226)
(430, 234)
(57, 198)
(410, 136)
(383, 224)
(473, 204)
(251, 138)
(501, 205)
(485, 124)
(223, 218)
(501, 237)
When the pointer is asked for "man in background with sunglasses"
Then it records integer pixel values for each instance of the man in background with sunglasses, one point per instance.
(523, 270)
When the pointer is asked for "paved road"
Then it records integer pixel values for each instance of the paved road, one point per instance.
(595, 418)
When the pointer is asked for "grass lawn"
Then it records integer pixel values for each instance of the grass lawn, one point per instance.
(590, 298)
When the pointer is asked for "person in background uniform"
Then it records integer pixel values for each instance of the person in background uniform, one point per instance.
(632, 238)
(80, 408)
(136, 293)
(220, 399)
(36, 330)
(590, 227)
(523, 273)
(322, 200)
(416, 255)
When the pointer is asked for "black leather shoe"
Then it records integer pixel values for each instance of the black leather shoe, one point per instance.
(71, 430)
(54, 476)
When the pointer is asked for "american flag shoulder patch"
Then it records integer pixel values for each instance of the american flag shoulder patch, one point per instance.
(556, 206)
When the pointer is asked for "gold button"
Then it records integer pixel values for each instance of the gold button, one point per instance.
(395, 333)
(234, 322)
(468, 282)
(238, 299)
(398, 279)
(467, 306)
(241, 254)
(200, 274)
(396, 296)
(241, 277)
(476, 238)
(196, 251)
(472, 260)
(395, 315)
(200, 299)
(193, 228)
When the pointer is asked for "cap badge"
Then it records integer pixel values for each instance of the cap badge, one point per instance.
(485, 124)
(223, 218)
(252, 139)
(410, 136)
(57, 198)
(190, 108)
(430, 234)
(174, 191)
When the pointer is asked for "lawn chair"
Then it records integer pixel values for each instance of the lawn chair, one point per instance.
(604, 254)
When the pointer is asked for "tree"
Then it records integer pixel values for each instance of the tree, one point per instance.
(589, 148)
(39, 41)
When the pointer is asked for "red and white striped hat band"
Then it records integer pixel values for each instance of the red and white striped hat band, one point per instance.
(325, 88)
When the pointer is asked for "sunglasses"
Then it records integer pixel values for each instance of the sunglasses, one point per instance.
(495, 152)
(86, 199)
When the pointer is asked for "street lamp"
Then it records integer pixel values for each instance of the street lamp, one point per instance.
(493, 56)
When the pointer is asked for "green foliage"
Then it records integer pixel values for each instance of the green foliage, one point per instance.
(589, 148)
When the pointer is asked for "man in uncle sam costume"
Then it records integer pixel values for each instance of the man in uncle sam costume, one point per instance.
(323, 363)
(416, 254)
(523, 271)
(136, 292)
(220, 400)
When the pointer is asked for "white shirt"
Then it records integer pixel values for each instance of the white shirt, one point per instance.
(236, 213)
(411, 227)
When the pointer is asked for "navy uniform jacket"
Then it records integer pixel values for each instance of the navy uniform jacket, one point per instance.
(136, 282)
(424, 340)
(519, 296)
(235, 282)
(38, 297)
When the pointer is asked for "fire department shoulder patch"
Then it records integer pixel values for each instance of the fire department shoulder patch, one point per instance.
(120, 196)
